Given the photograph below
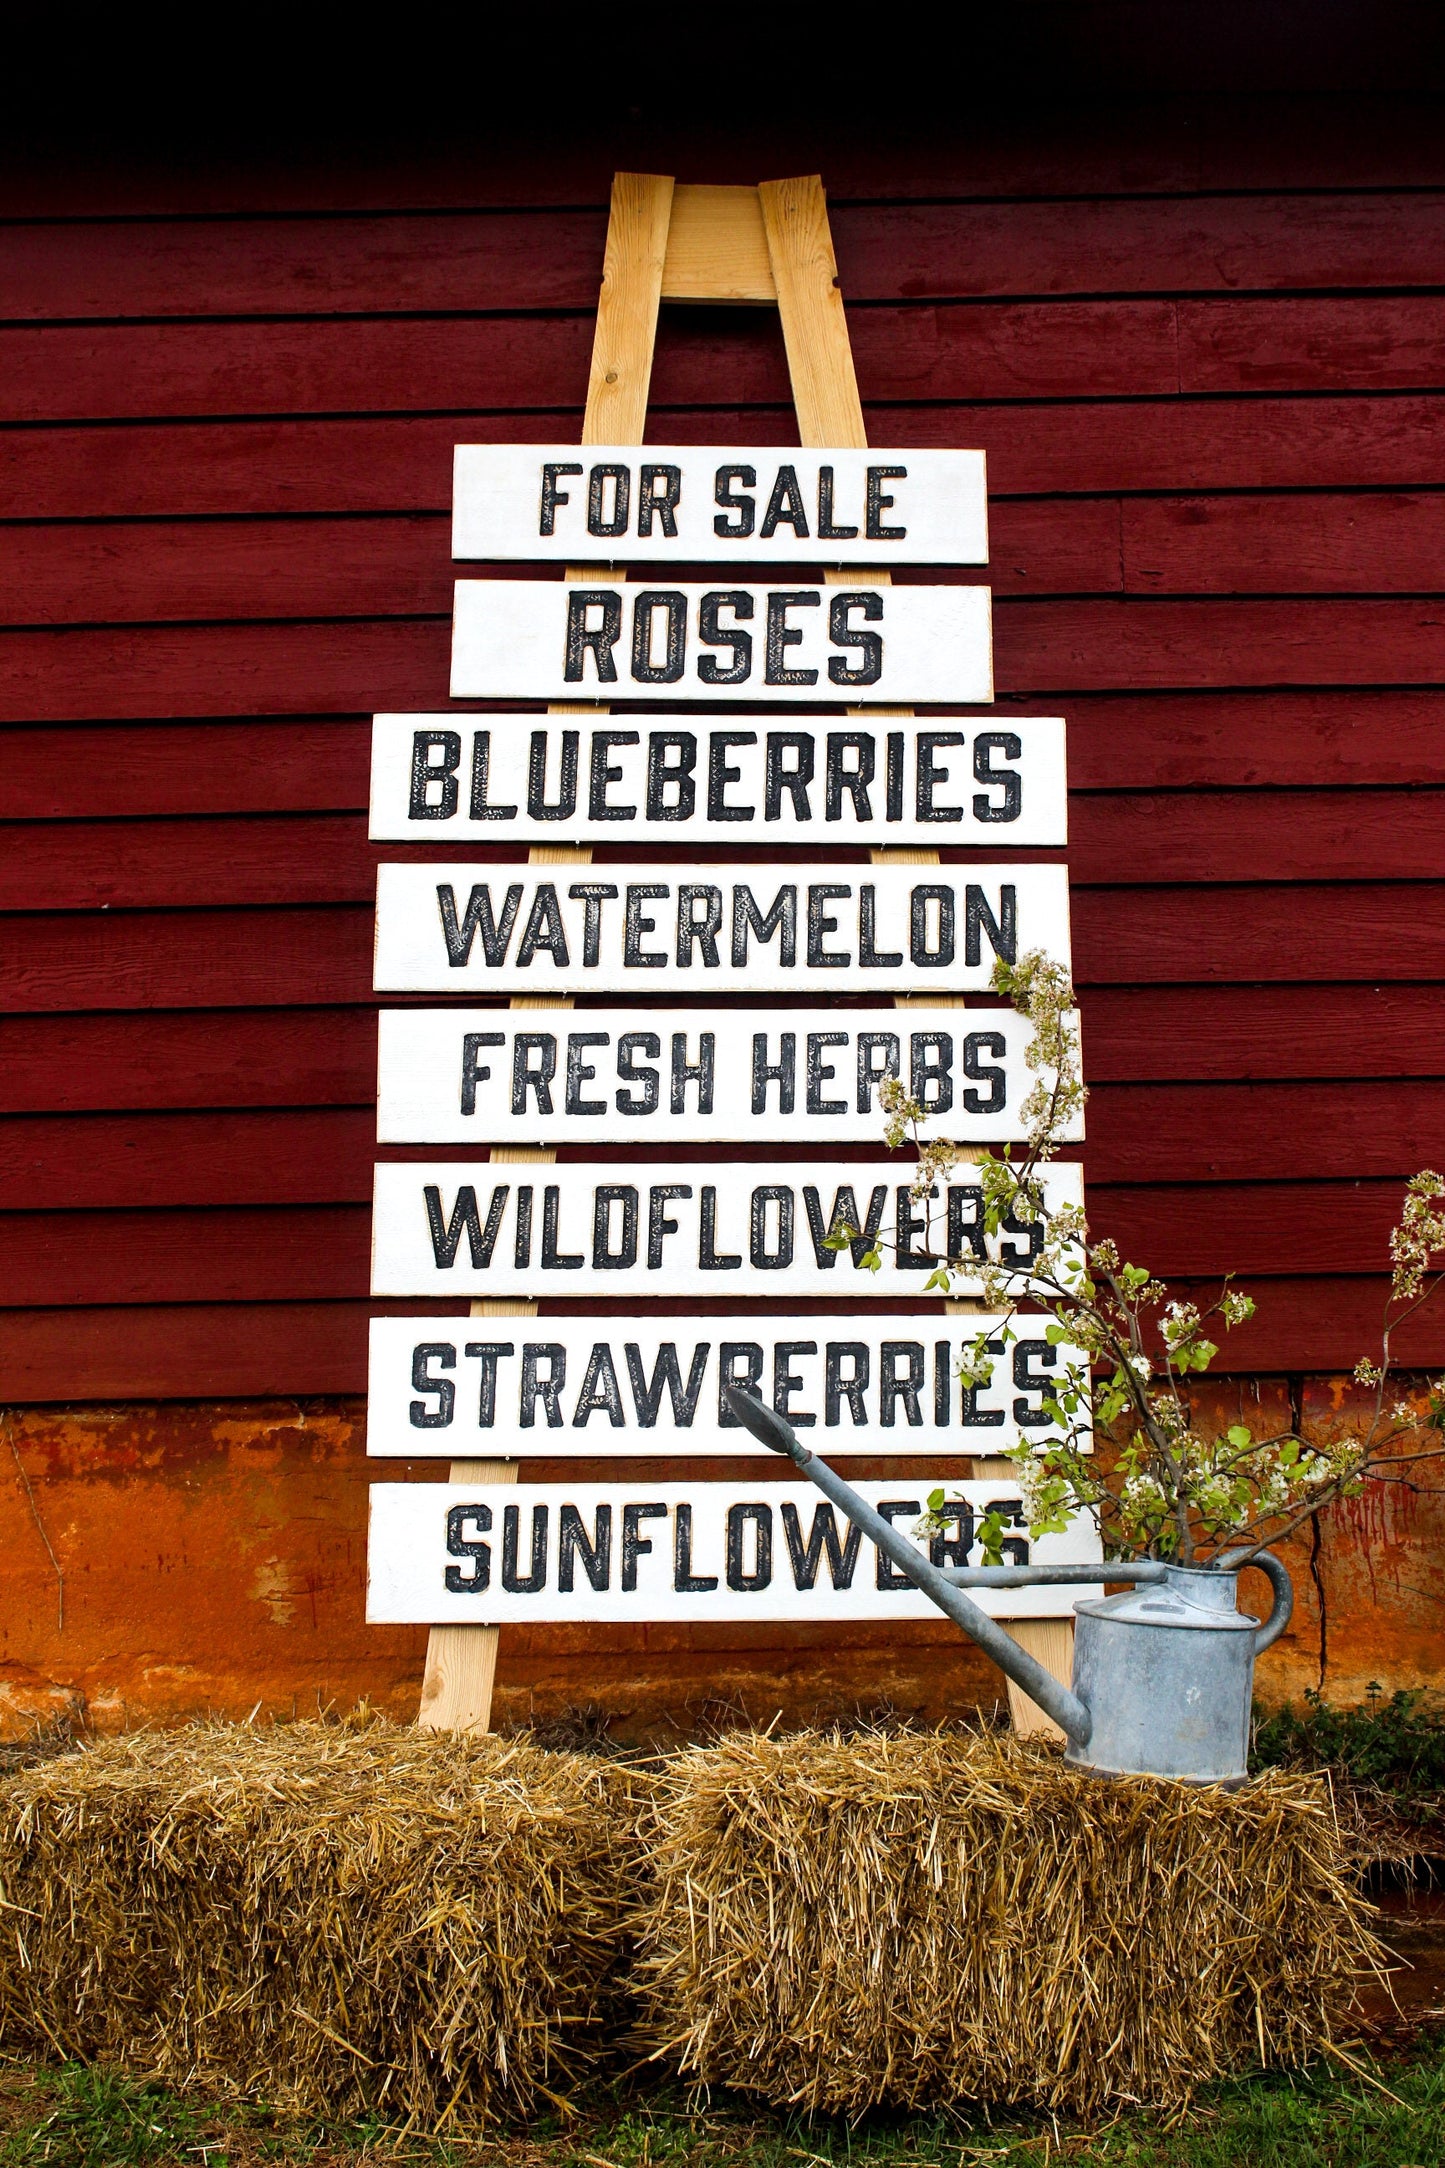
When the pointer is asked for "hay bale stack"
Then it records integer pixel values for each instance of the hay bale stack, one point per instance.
(329, 1919)
(836, 1922)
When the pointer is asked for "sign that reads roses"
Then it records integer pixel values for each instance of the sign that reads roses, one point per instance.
(566, 640)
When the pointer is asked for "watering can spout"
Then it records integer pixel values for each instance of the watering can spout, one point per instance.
(770, 1429)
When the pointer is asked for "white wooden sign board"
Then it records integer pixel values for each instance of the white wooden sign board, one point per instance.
(443, 1553)
(619, 1076)
(585, 1387)
(458, 929)
(698, 780)
(687, 1228)
(698, 503)
(601, 640)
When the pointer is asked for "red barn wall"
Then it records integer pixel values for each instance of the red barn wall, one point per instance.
(1204, 348)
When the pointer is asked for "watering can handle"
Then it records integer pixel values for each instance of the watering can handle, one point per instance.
(1282, 1608)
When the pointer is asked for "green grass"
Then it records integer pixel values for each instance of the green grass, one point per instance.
(1396, 1742)
(1390, 2115)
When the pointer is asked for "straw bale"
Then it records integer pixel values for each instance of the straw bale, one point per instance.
(836, 1922)
(329, 1919)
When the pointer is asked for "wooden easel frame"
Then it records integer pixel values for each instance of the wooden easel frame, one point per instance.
(771, 244)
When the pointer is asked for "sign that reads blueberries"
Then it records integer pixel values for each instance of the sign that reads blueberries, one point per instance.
(454, 1554)
(491, 1076)
(693, 779)
(696, 503)
(456, 1388)
(686, 1229)
(567, 640)
(711, 929)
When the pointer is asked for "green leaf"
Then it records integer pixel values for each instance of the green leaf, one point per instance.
(1239, 1436)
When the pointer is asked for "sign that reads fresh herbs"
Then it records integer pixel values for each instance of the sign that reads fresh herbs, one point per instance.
(480, 1076)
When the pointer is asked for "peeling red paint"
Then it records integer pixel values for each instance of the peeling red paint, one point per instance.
(214, 1558)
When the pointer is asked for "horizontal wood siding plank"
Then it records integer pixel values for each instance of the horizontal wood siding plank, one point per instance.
(403, 463)
(204, 1058)
(1043, 650)
(530, 259)
(327, 1057)
(1136, 1133)
(316, 764)
(322, 1252)
(1004, 350)
(141, 572)
(1201, 836)
(1056, 647)
(237, 1350)
(1307, 545)
(284, 957)
(410, 364)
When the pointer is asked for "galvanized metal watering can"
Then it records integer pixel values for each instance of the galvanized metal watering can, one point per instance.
(1162, 1673)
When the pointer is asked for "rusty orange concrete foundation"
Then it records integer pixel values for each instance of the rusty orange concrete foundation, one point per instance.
(166, 1561)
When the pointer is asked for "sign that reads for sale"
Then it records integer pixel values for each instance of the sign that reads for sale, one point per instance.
(690, 503)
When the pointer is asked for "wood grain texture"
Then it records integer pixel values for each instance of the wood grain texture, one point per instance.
(522, 260)
(1188, 838)
(717, 247)
(236, 1349)
(280, 956)
(1127, 742)
(400, 463)
(172, 1060)
(310, 1253)
(1135, 348)
(810, 307)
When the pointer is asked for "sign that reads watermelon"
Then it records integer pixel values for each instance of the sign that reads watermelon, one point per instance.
(711, 929)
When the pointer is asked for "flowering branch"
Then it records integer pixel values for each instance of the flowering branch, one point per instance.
(1172, 1492)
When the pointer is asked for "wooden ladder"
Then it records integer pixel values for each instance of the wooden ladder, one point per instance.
(771, 244)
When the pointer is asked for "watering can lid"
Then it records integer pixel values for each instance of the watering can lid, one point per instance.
(1204, 1603)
